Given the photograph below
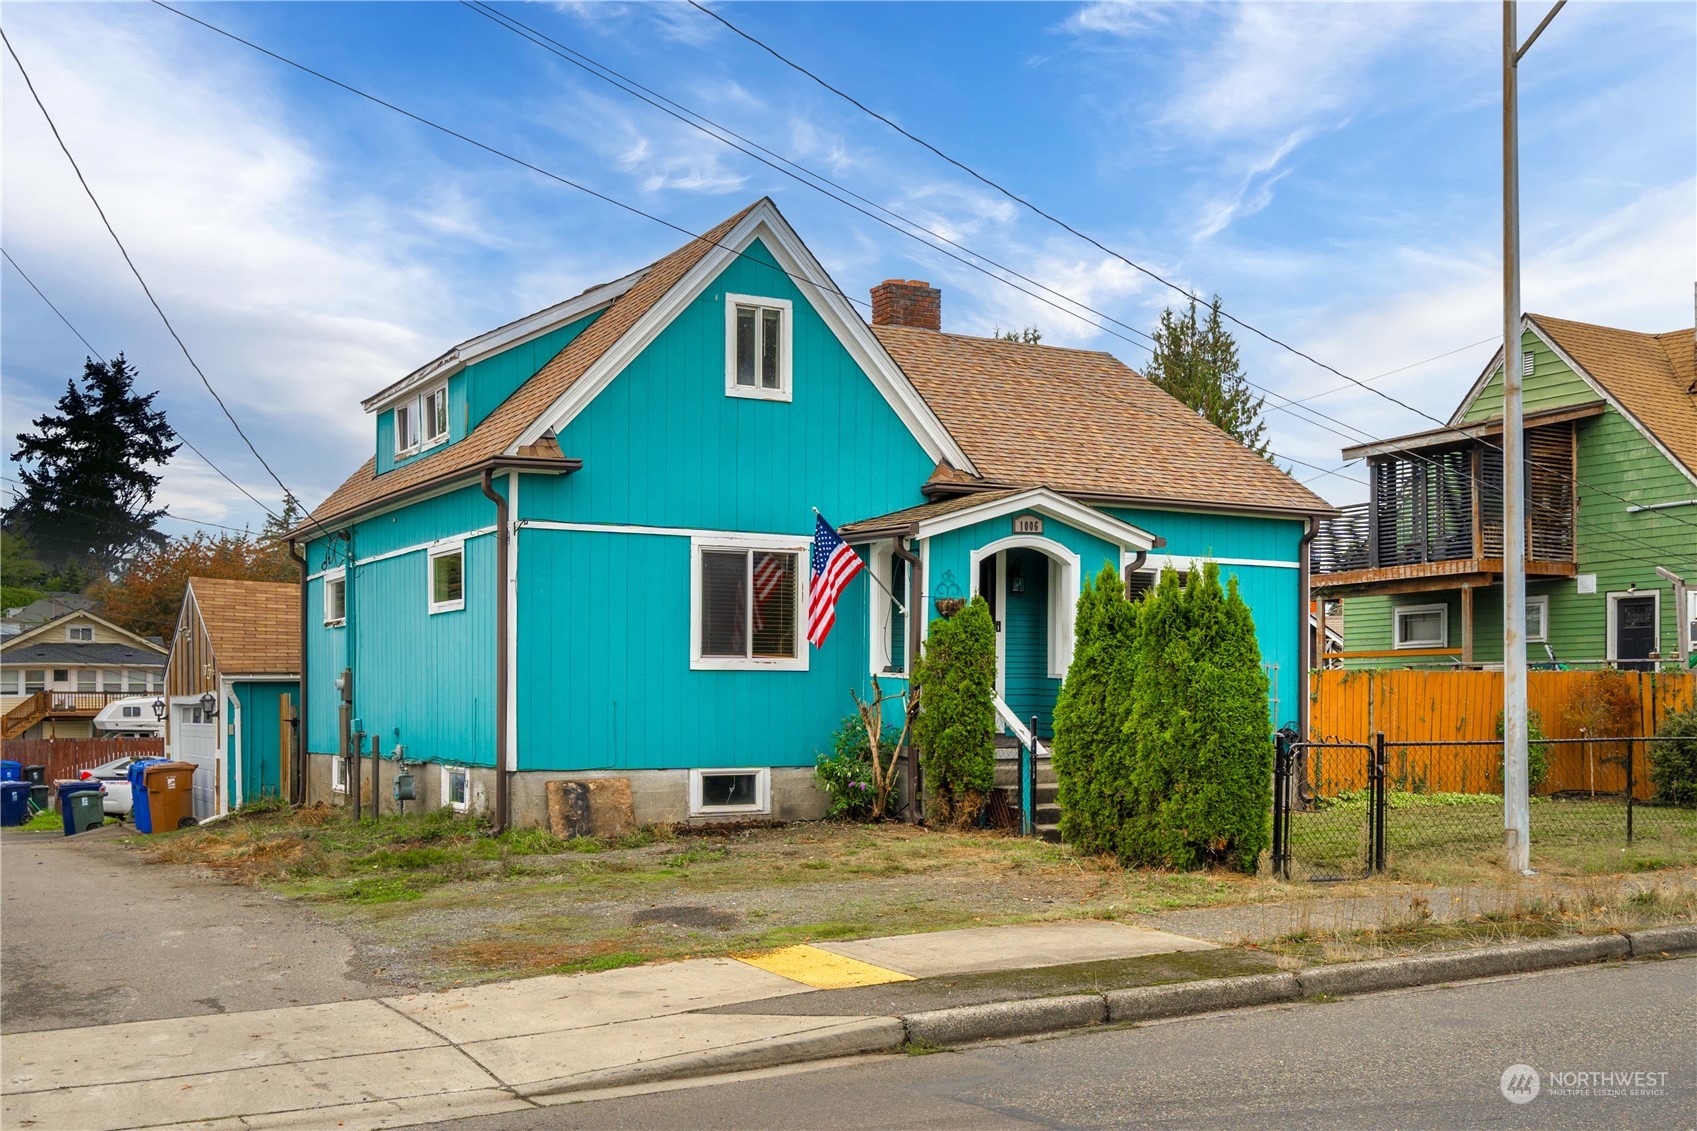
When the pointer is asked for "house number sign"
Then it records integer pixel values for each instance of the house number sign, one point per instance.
(1028, 524)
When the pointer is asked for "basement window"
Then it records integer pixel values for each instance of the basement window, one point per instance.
(729, 791)
(456, 788)
(1422, 626)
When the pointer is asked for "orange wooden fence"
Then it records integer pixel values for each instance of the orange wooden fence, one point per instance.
(1458, 706)
(67, 757)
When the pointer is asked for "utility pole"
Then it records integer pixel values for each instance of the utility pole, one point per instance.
(1516, 809)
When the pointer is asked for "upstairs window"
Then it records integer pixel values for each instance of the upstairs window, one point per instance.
(746, 607)
(447, 578)
(757, 347)
(336, 598)
(88, 679)
(421, 422)
(80, 633)
(35, 679)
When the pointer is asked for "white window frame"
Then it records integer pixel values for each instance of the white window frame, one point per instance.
(445, 550)
(1444, 626)
(882, 613)
(79, 633)
(1542, 604)
(786, 338)
(424, 434)
(448, 773)
(762, 790)
(90, 676)
(771, 543)
(337, 576)
(406, 410)
(1612, 623)
(111, 680)
(11, 681)
(40, 681)
(338, 774)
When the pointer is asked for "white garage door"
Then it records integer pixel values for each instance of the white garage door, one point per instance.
(198, 743)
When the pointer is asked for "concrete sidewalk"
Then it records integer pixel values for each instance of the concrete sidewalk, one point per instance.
(506, 1046)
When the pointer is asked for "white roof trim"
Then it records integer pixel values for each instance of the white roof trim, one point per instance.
(762, 222)
(504, 338)
(1527, 323)
(1045, 502)
(63, 620)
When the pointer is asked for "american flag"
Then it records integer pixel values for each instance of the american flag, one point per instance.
(834, 566)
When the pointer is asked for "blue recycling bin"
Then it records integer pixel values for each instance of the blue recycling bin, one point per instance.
(14, 802)
(81, 805)
(11, 771)
(139, 811)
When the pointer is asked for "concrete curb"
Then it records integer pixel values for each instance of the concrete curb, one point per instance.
(861, 1035)
(1146, 1003)
(1006, 1019)
(1486, 962)
(1677, 939)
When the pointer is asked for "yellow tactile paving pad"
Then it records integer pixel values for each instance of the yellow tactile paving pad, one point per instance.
(821, 969)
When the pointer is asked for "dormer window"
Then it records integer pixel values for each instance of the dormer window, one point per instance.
(757, 347)
(421, 422)
(80, 633)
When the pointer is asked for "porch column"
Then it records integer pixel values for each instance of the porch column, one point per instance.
(1467, 624)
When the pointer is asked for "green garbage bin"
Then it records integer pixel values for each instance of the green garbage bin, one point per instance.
(81, 807)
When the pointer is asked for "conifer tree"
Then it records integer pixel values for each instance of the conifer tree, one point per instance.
(1197, 363)
(955, 729)
(1092, 748)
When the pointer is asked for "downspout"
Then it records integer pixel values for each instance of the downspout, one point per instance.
(503, 534)
(297, 767)
(1303, 659)
(1131, 567)
(915, 637)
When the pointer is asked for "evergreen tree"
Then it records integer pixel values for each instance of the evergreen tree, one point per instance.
(1093, 749)
(86, 484)
(1197, 363)
(956, 727)
(1200, 787)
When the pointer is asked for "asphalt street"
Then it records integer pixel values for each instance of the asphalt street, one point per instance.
(1431, 1057)
(93, 934)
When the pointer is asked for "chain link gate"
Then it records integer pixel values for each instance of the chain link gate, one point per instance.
(1329, 805)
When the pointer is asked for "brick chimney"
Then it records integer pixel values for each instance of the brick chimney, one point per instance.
(912, 303)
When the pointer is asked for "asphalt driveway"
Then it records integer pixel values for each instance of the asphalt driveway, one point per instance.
(92, 934)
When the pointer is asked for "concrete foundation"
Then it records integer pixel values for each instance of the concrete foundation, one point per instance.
(658, 797)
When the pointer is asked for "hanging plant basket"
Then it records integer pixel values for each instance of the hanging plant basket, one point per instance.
(949, 606)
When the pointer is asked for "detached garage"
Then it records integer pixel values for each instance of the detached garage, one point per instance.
(233, 685)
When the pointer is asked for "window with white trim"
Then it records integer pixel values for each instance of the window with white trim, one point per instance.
(79, 633)
(11, 682)
(111, 679)
(421, 422)
(746, 605)
(890, 600)
(338, 774)
(1537, 620)
(447, 578)
(336, 597)
(730, 791)
(757, 347)
(1422, 626)
(456, 788)
(35, 679)
(137, 681)
(88, 679)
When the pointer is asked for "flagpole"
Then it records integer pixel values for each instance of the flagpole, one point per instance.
(873, 574)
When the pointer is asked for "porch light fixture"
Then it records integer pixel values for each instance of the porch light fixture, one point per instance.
(208, 704)
(159, 710)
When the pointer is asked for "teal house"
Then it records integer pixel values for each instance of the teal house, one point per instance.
(580, 546)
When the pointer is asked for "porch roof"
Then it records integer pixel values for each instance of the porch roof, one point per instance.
(930, 519)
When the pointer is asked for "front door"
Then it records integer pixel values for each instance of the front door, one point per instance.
(1023, 593)
(1635, 632)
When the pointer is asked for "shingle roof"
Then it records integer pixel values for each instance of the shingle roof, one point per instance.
(1082, 422)
(1649, 374)
(907, 517)
(108, 655)
(254, 626)
(502, 427)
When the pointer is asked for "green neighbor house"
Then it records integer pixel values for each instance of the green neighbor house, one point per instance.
(1611, 571)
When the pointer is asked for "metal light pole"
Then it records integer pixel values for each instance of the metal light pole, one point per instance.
(1516, 814)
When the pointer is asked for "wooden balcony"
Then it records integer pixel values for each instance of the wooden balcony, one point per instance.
(45, 705)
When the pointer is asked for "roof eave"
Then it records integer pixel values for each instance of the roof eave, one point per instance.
(533, 465)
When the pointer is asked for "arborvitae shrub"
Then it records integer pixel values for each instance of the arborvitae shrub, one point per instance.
(1673, 765)
(956, 726)
(1092, 748)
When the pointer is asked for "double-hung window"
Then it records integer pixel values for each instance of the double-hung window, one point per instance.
(111, 679)
(746, 603)
(421, 422)
(88, 679)
(447, 578)
(1422, 626)
(336, 598)
(10, 681)
(1537, 620)
(35, 679)
(80, 633)
(757, 347)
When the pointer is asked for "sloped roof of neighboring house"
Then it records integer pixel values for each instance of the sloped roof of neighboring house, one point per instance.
(1650, 375)
(49, 627)
(502, 428)
(51, 607)
(254, 626)
(1084, 423)
(55, 653)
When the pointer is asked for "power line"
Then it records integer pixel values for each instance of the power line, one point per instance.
(65, 149)
(175, 431)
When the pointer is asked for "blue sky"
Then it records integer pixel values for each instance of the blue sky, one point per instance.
(1331, 170)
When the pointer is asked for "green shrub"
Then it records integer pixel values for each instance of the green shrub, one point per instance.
(1092, 748)
(955, 730)
(1200, 788)
(845, 774)
(1537, 750)
(1673, 765)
